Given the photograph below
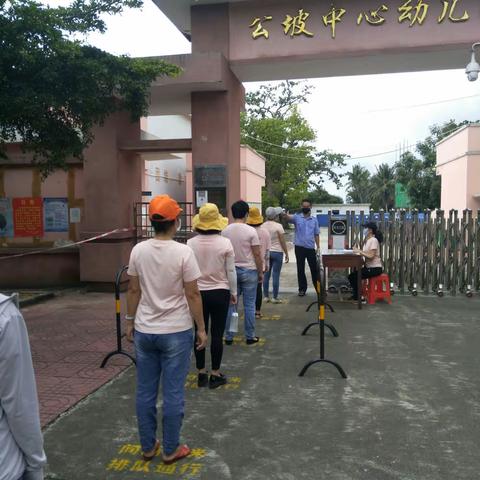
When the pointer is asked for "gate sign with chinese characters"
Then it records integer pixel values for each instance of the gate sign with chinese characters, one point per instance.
(28, 217)
(275, 39)
(411, 13)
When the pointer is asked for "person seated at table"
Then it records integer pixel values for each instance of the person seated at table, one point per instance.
(371, 253)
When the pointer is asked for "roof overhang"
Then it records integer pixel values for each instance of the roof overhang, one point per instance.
(178, 11)
(200, 72)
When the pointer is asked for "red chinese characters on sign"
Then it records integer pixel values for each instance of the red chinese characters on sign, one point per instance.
(28, 217)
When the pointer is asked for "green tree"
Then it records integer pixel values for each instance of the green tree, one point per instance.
(274, 126)
(320, 195)
(383, 187)
(358, 185)
(417, 171)
(54, 89)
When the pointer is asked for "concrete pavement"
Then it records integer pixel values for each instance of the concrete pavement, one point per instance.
(409, 410)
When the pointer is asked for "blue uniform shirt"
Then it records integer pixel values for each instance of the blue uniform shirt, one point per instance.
(305, 230)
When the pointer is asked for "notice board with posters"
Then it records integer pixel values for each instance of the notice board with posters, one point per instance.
(55, 214)
(28, 216)
(6, 218)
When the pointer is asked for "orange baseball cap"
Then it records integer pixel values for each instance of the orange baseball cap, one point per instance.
(165, 206)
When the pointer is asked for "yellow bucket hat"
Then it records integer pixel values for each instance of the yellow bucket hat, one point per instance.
(209, 218)
(254, 216)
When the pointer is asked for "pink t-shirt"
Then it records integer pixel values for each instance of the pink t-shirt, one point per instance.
(212, 252)
(372, 244)
(274, 228)
(243, 238)
(162, 267)
(265, 244)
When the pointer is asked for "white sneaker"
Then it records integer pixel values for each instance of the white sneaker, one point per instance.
(266, 299)
(277, 301)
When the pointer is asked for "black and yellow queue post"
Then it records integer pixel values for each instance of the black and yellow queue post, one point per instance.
(118, 319)
(321, 302)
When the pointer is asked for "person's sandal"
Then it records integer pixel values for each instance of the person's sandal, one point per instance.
(258, 315)
(150, 457)
(182, 452)
(251, 341)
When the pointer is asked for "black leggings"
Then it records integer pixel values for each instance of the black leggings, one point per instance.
(258, 300)
(366, 273)
(215, 306)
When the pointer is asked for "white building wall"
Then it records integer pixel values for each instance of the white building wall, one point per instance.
(323, 209)
(166, 173)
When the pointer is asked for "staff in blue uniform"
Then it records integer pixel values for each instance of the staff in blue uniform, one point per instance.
(307, 241)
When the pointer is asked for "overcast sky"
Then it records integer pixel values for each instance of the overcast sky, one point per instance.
(360, 115)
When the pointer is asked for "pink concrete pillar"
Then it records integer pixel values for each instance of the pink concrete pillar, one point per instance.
(216, 115)
(216, 134)
(113, 183)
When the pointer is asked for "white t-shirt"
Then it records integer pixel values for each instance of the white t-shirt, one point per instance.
(162, 267)
(373, 244)
(212, 253)
(274, 228)
(243, 238)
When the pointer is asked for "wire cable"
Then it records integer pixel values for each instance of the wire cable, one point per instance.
(372, 155)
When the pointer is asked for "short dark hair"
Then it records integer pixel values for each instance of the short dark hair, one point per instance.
(306, 200)
(240, 209)
(160, 225)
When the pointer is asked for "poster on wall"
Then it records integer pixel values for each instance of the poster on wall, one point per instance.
(55, 214)
(75, 215)
(28, 217)
(202, 198)
(6, 218)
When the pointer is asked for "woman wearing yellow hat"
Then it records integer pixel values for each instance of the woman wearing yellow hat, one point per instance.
(255, 220)
(217, 284)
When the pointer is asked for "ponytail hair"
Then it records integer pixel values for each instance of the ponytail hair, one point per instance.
(376, 232)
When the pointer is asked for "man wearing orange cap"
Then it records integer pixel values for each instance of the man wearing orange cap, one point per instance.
(163, 296)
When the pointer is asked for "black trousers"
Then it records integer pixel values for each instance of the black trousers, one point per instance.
(258, 300)
(366, 273)
(215, 308)
(302, 254)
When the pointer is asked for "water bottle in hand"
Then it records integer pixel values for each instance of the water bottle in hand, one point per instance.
(234, 322)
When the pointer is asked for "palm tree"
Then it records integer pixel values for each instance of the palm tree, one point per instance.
(383, 187)
(358, 185)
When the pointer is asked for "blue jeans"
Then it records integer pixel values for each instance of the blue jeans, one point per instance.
(276, 263)
(165, 356)
(247, 281)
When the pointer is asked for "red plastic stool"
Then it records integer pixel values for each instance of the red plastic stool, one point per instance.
(377, 288)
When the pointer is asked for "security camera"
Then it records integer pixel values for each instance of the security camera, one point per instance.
(473, 68)
(472, 75)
